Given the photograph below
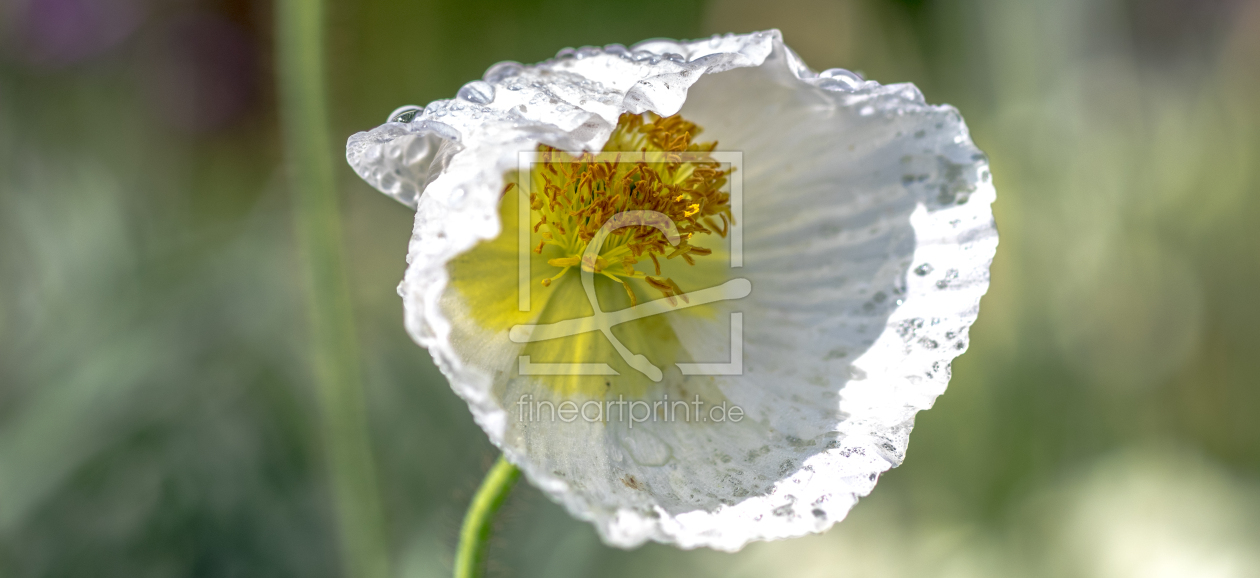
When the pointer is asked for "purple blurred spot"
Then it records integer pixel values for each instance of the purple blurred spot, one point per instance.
(201, 72)
(56, 33)
(1168, 29)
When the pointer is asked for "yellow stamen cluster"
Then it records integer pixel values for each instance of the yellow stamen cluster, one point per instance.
(572, 197)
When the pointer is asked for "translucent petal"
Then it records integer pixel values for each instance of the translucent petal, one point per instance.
(867, 237)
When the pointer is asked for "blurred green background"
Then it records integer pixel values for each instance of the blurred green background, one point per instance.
(156, 410)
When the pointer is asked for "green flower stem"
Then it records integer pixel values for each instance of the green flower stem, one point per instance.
(334, 350)
(475, 534)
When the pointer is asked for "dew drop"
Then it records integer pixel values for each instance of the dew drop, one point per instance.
(923, 269)
(477, 91)
(502, 71)
(641, 55)
(839, 79)
(645, 448)
(835, 85)
(404, 113)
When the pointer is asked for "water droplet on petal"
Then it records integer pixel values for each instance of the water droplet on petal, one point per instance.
(839, 79)
(502, 70)
(923, 269)
(457, 197)
(840, 73)
(477, 91)
(404, 113)
(645, 448)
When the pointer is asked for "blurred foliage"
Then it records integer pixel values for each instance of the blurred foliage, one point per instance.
(156, 418)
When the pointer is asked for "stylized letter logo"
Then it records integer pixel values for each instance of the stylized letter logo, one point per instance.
(603, 321)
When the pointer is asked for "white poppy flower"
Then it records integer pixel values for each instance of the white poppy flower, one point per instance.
(830, 241)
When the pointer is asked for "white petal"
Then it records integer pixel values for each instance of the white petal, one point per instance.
(852, 189)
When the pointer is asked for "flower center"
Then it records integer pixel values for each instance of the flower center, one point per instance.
(650, 166)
